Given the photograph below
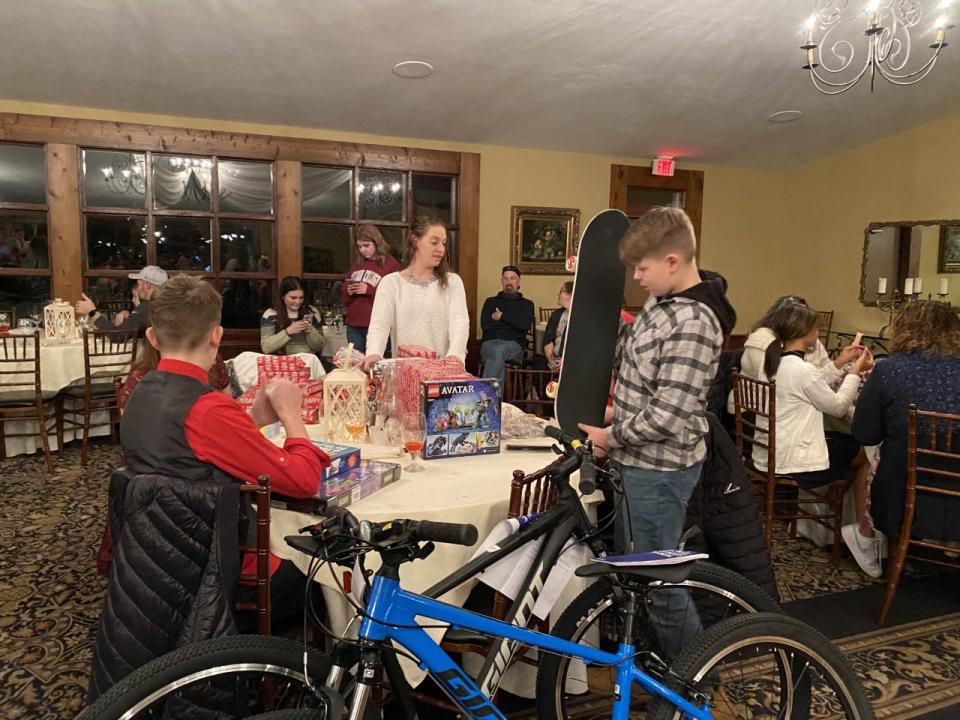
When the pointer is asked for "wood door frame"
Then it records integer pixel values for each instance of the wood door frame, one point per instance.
(688, 182)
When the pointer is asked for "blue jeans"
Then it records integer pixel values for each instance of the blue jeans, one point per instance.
(496, 354)
(358, 336)
(657, 502)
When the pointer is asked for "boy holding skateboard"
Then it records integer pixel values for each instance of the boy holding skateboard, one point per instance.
(667, 359)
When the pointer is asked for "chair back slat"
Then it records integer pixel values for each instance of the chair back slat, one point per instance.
(20, 363)
(108, 354)
(530, 494)
(526, 386)
(546, 312)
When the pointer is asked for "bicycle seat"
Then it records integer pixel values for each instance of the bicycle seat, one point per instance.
(673, 573)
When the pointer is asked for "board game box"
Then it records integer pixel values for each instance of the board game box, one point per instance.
(342, 458)
(462, 416)
(348, 487)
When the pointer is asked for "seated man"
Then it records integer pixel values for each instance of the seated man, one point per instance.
(176, 426)
(506, 319)
(149, 279)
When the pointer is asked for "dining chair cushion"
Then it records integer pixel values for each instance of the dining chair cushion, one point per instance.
(15, 398)
(97, 390)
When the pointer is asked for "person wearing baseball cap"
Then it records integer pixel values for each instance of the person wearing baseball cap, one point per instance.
(148, 280)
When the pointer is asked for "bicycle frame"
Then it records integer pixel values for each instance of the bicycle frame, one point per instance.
(391, 616)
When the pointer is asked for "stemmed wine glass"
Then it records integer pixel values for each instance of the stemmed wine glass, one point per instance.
(413, 430)
(4, 322)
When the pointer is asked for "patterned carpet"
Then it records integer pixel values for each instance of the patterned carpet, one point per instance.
(50, 598)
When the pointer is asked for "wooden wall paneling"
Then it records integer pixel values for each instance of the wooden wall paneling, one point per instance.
(114, 135)
(469, 233)
(64, 230)
(289, 209)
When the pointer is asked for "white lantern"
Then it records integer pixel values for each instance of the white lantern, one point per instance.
(345, 402)
(59, 322)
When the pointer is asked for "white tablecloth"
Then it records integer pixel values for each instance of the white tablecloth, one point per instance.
(460, 490)
(334, 339)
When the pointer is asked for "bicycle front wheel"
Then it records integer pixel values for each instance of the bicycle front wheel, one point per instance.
(229, 677)
(711, 593)
(767, 666)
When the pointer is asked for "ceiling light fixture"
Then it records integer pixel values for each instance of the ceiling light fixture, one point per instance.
(412, 69)
(888, 25)
(785, 116)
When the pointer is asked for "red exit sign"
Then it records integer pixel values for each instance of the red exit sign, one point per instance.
(664, 166)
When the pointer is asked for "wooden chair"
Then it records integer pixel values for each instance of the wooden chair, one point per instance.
(112, 307)
(754, 401)
(546, 312)
(107, 356)
(824, 322)
(22, 399)
(261, 579)
(932, 454)
(529, 494)
(527, 388)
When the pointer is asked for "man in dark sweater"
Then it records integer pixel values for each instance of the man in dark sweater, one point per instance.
(149, 279)
(506, 319)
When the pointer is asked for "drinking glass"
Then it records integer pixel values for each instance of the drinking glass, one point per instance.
(413, 429)
(356, 427)
(4, 322)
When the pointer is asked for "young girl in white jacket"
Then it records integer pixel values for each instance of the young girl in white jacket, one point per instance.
(804, 451)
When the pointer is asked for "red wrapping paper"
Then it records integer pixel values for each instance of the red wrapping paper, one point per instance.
(410, 371)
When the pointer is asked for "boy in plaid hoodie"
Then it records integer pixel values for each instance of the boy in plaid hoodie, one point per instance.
(667, 359)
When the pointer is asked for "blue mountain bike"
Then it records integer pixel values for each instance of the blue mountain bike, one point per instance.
(759, 665)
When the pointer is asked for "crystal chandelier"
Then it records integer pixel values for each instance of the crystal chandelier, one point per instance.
(836, 25)
(380, 192)
(125, 174)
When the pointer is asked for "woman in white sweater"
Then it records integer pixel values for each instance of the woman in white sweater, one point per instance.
(423, 304)
(804, 451)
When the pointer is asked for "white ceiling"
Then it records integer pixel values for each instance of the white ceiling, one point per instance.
(692, 78)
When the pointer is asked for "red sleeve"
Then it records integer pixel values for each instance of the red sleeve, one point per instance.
(221, 433)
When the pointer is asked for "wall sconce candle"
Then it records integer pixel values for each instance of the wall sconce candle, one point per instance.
(908, 286)
(917, 285)
(944, 287)
(882, 286)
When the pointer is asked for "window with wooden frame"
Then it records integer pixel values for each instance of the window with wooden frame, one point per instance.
(24, 252)
(207, 216)
(335, 199)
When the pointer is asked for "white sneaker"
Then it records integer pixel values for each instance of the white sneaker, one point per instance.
(866, 551)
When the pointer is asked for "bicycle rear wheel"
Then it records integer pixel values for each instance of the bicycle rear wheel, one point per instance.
(567, 688)
(228, 677)
(767, 666)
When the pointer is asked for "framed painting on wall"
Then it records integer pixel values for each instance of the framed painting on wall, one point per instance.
(542, 238)
(949, 259)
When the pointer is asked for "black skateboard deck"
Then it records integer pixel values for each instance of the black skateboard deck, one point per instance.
(594, 323)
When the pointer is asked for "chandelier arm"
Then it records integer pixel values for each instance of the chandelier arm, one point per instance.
(905, 78)
(845, 84)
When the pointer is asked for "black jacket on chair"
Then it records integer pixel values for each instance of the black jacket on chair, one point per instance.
(175, 570)
(724, 507)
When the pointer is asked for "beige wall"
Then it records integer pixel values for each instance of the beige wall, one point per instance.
(829, 203)
(769, 232)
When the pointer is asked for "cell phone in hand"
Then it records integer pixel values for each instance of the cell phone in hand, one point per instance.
(857, 339)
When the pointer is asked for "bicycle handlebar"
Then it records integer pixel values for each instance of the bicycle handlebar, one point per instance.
(582, 456)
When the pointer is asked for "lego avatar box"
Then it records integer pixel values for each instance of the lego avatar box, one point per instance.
(462, 416)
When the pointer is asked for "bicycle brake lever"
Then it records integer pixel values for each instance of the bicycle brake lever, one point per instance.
(424, 551)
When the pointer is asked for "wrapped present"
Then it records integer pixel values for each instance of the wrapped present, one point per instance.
(412, 371)
(344, 489)
(312, 409)
(282, 366)
(418, 351)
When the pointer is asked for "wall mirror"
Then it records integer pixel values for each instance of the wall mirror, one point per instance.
(900, 256)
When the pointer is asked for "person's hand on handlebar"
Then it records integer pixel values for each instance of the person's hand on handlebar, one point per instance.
(598, 436)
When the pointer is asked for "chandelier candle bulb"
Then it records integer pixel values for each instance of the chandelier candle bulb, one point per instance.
(908, 286)
(917, 285)
(944, 287)
(882, 286)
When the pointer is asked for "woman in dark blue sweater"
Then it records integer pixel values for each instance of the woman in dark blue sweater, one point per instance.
(924, 370)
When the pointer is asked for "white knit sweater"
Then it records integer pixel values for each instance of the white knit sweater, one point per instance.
(413, 314)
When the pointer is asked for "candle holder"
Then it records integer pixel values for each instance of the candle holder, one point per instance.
(890, 306)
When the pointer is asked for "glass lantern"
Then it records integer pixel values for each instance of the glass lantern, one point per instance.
(59, 322)
(345, 403)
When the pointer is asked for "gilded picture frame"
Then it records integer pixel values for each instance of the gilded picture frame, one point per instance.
(542, 238)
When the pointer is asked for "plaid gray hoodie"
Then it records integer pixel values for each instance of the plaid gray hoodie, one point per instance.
(667, 359)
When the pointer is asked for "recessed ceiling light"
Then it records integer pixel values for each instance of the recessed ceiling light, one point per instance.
(785, 116)
(412, 69)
